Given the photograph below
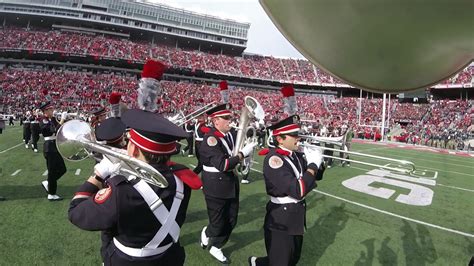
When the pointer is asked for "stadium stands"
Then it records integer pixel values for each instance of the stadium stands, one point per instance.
(422, 123)
(255, 66)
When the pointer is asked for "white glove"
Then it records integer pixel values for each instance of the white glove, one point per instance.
(248, 148)
(64, 116)
(106, 169)
(313, 155)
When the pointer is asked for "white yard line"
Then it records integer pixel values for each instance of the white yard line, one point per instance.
(438, 184)
(11, 148)
(258, 171)
(45, 173)
(255, 162)
(192, 165)
(16, 172)
(429, 168)
(390, 153)
(460, 188)
(78, 172)
(396, 215)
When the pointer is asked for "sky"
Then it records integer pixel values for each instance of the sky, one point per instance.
(263, 37)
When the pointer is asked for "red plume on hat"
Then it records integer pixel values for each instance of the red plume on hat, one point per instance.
(289, 99)
(46, 95)
(149, 86)
(114, 101)
(103, 99)
(153, 69)
(224, 90)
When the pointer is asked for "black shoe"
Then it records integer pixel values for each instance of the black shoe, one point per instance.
(2, 198)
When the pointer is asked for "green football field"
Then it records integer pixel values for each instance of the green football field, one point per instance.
(355, 217)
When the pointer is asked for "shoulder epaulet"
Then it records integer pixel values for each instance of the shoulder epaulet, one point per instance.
(264, 152)
(186, 175)
(218, 134)
(283, 152)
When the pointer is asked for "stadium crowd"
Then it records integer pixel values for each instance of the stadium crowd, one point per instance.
(256, 66)
(442, 123)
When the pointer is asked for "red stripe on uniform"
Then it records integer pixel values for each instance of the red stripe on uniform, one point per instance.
(221, 113)
(302, 189)
(286, 129)
(83, 194)
(226, 164)
(151, 146)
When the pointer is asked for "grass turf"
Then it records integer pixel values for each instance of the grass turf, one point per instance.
(35, 231)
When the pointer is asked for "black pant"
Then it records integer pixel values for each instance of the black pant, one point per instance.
(35, 133)
(26, 133)
(198, 168)
(189, 145)
(56, 169)
(282, 249)
(34, 139)
(222, 215)
(329, 153)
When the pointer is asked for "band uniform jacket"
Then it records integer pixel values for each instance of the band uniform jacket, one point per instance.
(49, 127)
(222, 183)
(200, 130)
(121, 212)
(34, 125)
(282, 182)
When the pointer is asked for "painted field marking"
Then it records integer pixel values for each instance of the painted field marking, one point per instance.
(258, 171)
(460, 188)
(472, 155)
(451, 152)
(21, 143)
(255, 162)
(435, 169)
(430, 161)
(45, 173)
(78, 172)
(396, 215)
(16, 172)
(464, 189)
(192, 165)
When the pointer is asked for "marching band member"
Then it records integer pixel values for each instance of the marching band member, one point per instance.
(289, 176)
(27, 129)
(200, 129)
(189, 128)
(98, 115)
(54, 162)
(142, 221)
(35, 129)
(220, 184)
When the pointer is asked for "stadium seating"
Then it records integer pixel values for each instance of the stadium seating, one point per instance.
(73, 90)
(255, 66)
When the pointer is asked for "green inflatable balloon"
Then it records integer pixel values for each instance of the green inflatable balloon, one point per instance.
(380, 45)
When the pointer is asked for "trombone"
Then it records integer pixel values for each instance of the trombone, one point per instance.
(75, 140)
(180, 119)
(197, 113)
(408, 167)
